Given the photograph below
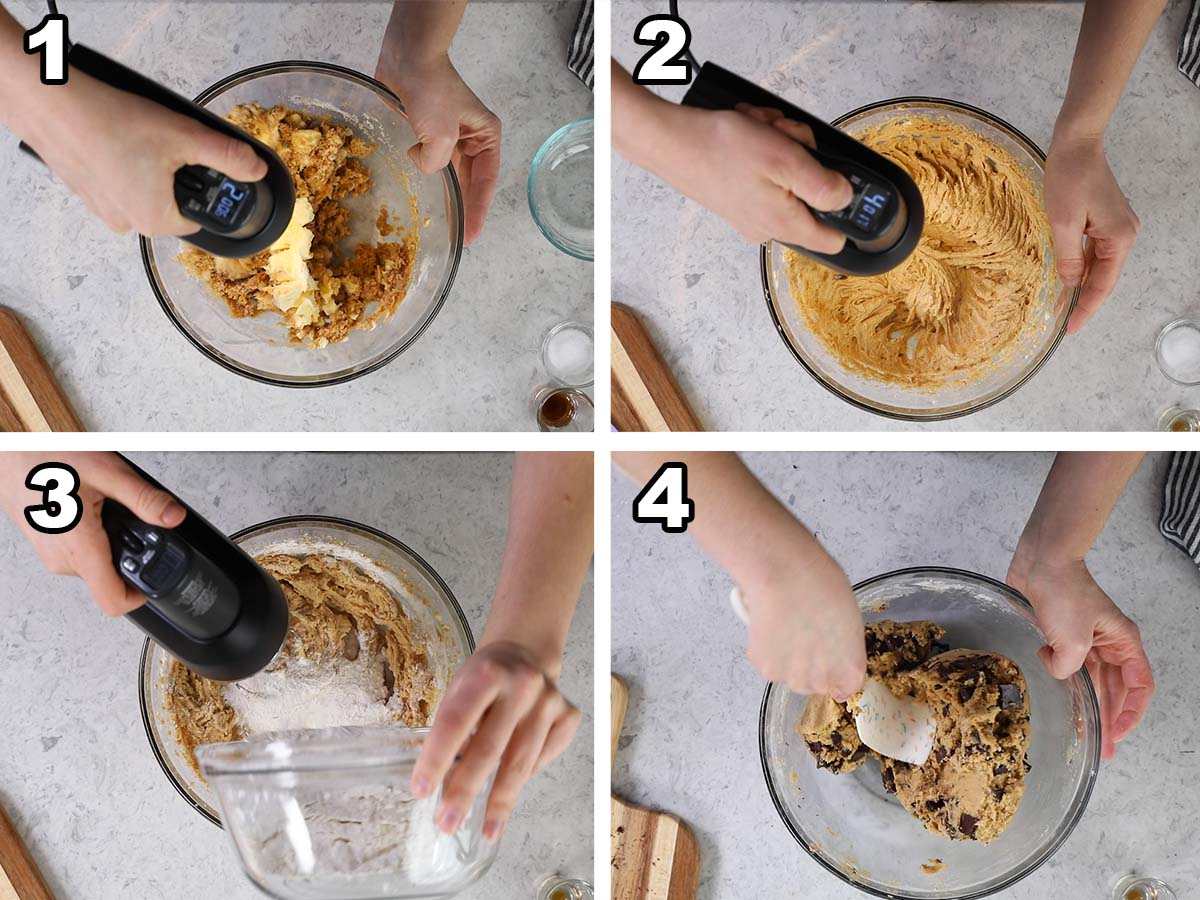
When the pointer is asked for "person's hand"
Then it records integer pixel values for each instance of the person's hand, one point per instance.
(84, 551)
(502, 709)
(1083, 627)
(806, 630)
(119, 152)
(751, 168)
(1083, 198)
(452, 125)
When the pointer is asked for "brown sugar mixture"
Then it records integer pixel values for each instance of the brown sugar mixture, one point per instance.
(322, 295)
(342, 622)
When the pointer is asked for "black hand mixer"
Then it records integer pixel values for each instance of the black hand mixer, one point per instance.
(207, 602)
(236, 218)
(883, 221)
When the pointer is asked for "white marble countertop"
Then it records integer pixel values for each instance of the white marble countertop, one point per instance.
(690, 743)
(696, 281)
(79, 780)
(83, 293)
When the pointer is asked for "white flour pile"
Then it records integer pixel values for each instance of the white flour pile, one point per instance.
(306, 693)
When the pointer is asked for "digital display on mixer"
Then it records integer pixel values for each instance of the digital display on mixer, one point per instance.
(868, 211)
(228, 201)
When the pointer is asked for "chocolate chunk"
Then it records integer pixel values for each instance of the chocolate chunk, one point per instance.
(965, 692)
(1010, 696)
(945, 709)
(814, 748)
(940, 753)
(836, 739)
(1027, 765)
(874, 645)
(937, 648)
(966, 824)
(889, 779)
(998, 792)
(893, 642)
(861, 751)
(1000, 769)
(933, 805)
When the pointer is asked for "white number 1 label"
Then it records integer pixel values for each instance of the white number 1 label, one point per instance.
(664, 500)
(50, 39)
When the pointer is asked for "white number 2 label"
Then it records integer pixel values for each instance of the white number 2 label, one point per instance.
(50, 38)
(664, 500)
(667, 62)
(61, 508)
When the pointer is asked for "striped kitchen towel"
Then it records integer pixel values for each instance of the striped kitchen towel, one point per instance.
(579, 59)
(1189, 50)
(1181, 504)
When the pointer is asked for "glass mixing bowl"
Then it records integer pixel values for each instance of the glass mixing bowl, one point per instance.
(955, 398)
(258, 347)
(421, 592)
(327, 814)
(561, 197)
(862, 834)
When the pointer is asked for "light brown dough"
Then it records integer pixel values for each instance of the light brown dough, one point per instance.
(958, 306)
(970, 786)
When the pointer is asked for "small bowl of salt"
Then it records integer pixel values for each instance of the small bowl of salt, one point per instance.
(568, 352)
(1178, 351)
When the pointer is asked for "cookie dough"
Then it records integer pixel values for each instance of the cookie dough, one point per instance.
(336, 611)
(827, 726)
(321, 295)
(970, 786)
(959, 306)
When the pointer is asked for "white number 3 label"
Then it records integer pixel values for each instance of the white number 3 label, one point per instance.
(50, 38)
(666, 63)
(664, 500)
(61, 508)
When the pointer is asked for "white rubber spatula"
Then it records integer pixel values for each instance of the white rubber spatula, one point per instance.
(897, 727)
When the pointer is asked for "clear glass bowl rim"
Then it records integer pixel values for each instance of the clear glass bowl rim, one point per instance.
(535, 168)
(272, 68)
(341, 748)
(253, 530)
(764, 267)
(1081, 801)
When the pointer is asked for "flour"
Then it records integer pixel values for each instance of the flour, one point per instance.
(304, 693)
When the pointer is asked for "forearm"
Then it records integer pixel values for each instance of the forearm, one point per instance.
(1076, 500)
(642, 123)
(546, 555)
(738, 522)
(1110, 40)
(20, 77)
(421, 30)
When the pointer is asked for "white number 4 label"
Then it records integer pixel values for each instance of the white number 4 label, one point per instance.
(50, 38)
(664, 500)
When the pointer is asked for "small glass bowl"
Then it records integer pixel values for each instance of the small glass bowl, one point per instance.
(580, 378)
(1035, 345)
(258, 347)
(1185, 335)
(422, 593)
(328, 814)
(855, 829)
(560, 189)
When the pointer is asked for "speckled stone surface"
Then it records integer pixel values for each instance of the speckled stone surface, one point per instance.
(79, 780)
(697, 283)
(84, 294)
(691, 737)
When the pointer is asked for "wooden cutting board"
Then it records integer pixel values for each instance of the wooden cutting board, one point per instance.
(30, 396)
(654, 855)
(645, 395)
(19, 875)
